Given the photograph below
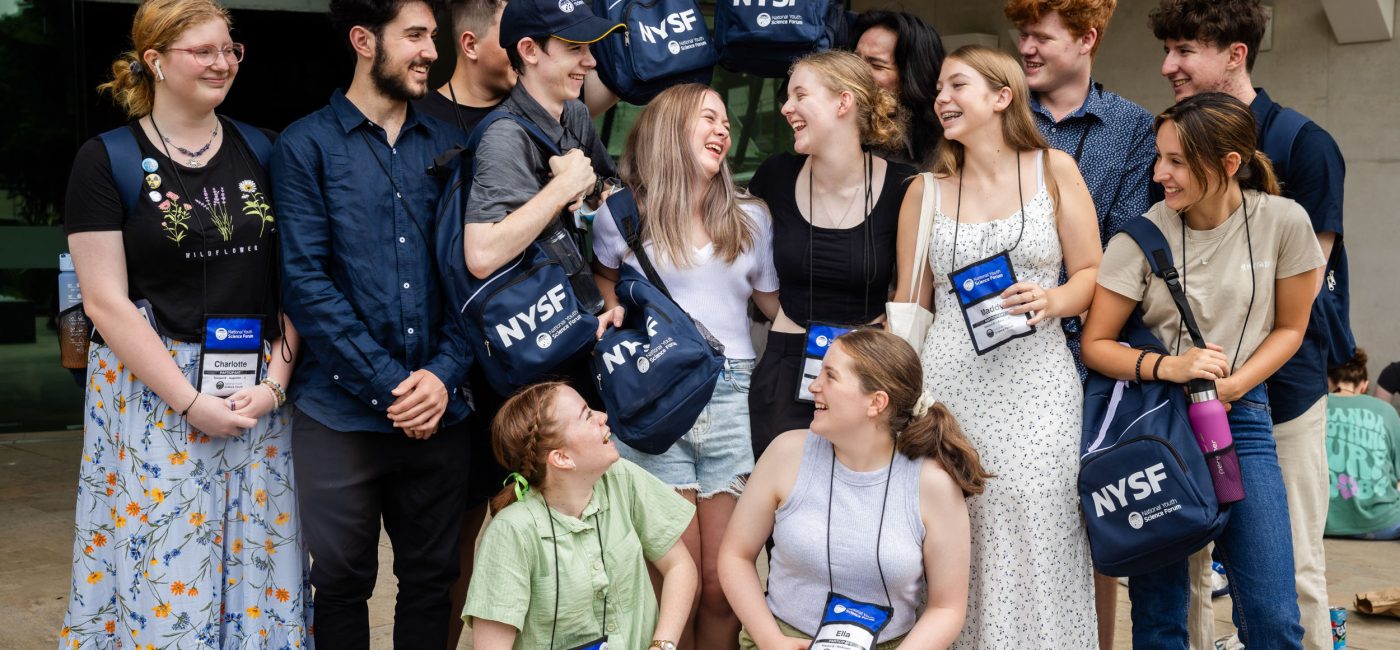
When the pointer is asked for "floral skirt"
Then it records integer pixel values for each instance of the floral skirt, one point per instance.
(182, 540)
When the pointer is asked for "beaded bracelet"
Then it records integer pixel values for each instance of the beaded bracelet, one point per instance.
(278, 395)
(1137, 369)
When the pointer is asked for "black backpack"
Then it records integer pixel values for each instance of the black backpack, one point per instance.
(764, 37)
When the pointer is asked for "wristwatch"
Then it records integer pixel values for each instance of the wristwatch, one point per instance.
(662, 645)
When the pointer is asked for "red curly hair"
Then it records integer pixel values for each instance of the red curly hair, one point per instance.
(1079, 16)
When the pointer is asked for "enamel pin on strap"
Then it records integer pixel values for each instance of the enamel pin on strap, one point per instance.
(231, 354)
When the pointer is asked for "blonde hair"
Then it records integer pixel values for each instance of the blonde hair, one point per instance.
(878, 114)
(157, 24)
(659, 167)
(1000, 70)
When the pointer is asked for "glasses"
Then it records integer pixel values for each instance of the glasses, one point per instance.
(207, 55)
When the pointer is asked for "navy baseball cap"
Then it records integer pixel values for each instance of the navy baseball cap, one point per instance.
(567, 20)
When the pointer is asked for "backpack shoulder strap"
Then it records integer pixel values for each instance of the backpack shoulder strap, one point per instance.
(257, 141)
(124, 156)
(1159, 257)
(536, 134)
(622, 205)
(1279, 135)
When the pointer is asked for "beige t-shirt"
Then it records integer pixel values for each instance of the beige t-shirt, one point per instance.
(1215, 271)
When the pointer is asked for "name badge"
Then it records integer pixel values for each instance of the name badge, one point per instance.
(849, 624)
(231, 354)
(819, 338)
(978, 287)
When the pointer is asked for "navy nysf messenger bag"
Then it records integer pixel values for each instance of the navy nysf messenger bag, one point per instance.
(523, 321)
(1144, 486)
(666, 43)
(658, 372)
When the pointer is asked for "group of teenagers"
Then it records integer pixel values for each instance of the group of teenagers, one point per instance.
(197, 512)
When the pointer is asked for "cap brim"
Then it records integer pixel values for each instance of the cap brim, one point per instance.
(589, 30)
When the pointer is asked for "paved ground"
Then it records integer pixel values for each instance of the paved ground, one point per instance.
(36, 519)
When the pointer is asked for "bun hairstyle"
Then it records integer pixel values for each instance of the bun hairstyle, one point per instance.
(523, 434)
(885, 362)
(1212, 126)
(157, 24)
(1351, 372)
(878, 114)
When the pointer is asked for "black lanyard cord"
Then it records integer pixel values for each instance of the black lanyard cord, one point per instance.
(203, 241)
(868, 267)
(1253, 281)
(602, 557)
(879, 532)
(957, 213)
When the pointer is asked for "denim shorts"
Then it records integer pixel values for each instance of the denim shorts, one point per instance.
(716, 455)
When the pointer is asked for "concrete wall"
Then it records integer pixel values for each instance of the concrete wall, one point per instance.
(1351, 90)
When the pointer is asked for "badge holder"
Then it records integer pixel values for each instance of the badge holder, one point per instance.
(978, 287)
(819, 338)
(848, 624)
(600, 643)
(230, 356)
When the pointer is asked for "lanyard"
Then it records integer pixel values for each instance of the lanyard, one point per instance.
(867, 239)
(1253, 282)
(602, 557)
(957, 214)
(879, 532)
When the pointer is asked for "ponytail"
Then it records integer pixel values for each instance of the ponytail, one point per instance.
(936, 435)
(1260, 175)
(522, 435)
(132, 87)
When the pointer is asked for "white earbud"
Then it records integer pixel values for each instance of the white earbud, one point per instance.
(160, 76)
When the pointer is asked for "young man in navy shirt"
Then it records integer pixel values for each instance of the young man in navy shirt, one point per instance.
(1211, 45)
(376, 388)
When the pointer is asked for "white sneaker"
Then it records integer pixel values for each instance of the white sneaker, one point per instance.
(1231, 642)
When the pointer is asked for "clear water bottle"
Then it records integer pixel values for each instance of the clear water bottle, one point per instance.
(74, 328)
(1212, 428)
(561, 247)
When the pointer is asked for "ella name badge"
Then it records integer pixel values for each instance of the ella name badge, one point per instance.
(819, 338)
(978, 287)
(848, 624)
(231, 355)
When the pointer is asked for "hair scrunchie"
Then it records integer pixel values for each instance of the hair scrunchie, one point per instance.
(521, 485)
(921, 407)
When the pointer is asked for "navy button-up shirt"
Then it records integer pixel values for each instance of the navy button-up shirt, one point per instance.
(1115, 157)
(357, 216)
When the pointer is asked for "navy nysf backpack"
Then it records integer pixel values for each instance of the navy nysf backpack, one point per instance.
(1144, 487)
(658, 372)
(666, 43)
(523, 321)
(764, 37)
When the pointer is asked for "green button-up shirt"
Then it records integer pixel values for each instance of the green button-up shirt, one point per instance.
(632, 519)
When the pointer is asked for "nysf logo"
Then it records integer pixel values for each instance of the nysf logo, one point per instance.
(672, 25)
(519, 325)
(765, 3)
(1138, 486)
(621, 352)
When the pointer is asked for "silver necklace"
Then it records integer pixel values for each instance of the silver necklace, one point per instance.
(194, 155)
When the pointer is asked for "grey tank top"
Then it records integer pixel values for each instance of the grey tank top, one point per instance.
(797, 580)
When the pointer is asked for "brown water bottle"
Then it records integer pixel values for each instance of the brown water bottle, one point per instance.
(74, 328)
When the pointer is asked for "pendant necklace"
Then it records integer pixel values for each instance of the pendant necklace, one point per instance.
(194, 155)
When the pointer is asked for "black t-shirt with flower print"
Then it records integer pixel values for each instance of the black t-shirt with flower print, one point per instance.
(202, 242)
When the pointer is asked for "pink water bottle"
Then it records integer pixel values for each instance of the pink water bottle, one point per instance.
(1212, 429)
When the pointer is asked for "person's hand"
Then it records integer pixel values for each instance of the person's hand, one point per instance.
(575, 172)
(611, 317)
(1024, 297)
(213, 416)
(1196, 363)
(1228, 390)
(254, 401)
(418, 405)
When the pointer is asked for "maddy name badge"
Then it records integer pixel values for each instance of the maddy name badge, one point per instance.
(231, 355)
(848, 624)
(819, 338)
(978, 287)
